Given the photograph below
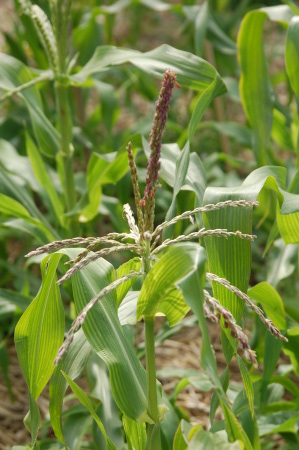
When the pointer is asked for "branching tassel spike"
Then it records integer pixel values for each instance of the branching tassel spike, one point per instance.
(271, 327)
(159, 123)
(45, 31)
(212, 309)
(137, 196)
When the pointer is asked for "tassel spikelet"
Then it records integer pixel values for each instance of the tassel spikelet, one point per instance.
(45, 31)
(134, 178)
(271, 327)
(204, 209)
(213, 310)
(203, 233)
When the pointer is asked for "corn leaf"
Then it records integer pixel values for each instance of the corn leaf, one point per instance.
(292, 54)
(83, 398)
(173, 306)
(254, 82)
(135, 432)
(255, 86)
(192, 71)
(102, 169)
(204, 440)
(268, 297)
(43, 177)
(181, 167)
(72, 364)
(247, 384)
(13, 74)
(230, 258)
(122, 290)
(104, 333)
(271, 355)
(173, 266)
(38, 336)
(180, 441)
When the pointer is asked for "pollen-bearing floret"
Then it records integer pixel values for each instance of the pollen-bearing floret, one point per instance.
(154, 164)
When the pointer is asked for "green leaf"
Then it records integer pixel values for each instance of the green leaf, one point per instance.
(135, 432)
(127, 309)
(11, 207)
(191, 286)
(247, 384)
(181, 167)
(102, 169)
(122, 290)
(203, 440)
(43, 177)
(13, 74)
(234, 430)
(195, 178)
(107, 410)
(16, 189)
(173, 306)
(286, 383)
(72, 364)
(292, 54)
(83, 398)
(39, 334)
(271, 355)
(240, 133)
(290, 348)
(11, 299)
(32, 227)
(231, 258)
(212, 91)
(104, 333)
(281, 422)
(268, 297)
(18, 165)
(201, 26)
(254, 82)
(192, 71)
(32, 418)
(180, 441)
(173, 266)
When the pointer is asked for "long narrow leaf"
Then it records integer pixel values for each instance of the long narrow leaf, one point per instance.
(83, 398)
(72, 364)
(39, 334)
(254, 83)
(104, 333)
(192, 71)
(13, 74)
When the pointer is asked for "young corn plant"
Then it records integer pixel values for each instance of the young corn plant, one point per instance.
(172, 274)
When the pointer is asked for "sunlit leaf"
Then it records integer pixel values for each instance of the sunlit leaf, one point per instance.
(135, 432)
(38, 336)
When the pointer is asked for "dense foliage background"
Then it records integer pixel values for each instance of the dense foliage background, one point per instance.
(232, 133)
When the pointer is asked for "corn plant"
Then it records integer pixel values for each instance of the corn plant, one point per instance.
(38, 161)
(173, 274)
